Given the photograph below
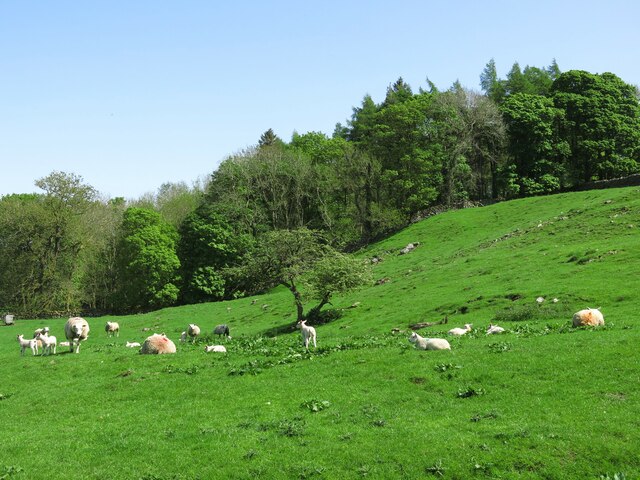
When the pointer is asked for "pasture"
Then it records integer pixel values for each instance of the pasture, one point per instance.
(542, 400)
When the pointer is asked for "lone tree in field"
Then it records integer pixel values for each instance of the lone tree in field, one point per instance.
(301, 258)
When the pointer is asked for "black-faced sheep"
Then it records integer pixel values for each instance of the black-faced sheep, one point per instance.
(112, 328)
(76, 330)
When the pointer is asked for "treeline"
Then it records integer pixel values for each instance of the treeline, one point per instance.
(537, 131)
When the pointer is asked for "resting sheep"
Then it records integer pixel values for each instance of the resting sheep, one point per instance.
(48, 341)
(112, 328)
(422, 343)
(222, 330)
(461, 331)
(31, 343)
(308, 333)
(493, 329)
(193, 331)
(589, 316)
(132, 344)
(158, 344)
(215, 348)
(76, 330)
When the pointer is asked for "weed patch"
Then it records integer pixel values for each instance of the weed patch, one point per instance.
(468, 392)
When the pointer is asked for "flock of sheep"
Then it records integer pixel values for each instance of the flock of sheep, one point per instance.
(587, 317)
(76, 330)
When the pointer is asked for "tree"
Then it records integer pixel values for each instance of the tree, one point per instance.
(269, 139)
(147, 262)
(490, 83)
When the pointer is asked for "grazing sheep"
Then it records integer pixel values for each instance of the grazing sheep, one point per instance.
(308, 333)
(193, 331)
(222, 330)
(410, 247)
(183, 337)
(493, 329)
(112, 328)
(30, 343)
(588, 316)
(422, 343)
(76, 330)
(540, 300)
(461, 331)
(48, 341)
(158, 344)
(132, 344)
(215, 348)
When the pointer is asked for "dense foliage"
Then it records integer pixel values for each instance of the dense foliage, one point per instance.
(537, 131)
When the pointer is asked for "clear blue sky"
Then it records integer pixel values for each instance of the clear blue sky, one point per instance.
(132, 94)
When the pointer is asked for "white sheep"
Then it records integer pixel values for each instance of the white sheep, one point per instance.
(40, 330)
(193, 331)
(215, 348)
(493, 329)
(76, 330)
(31, 343)
(540, 300)
(132, 344)
(308, 333)
(64, 344)
(158, 344)
(589, 316)
(112, 328)
(48, 341)
(422, 343)
(461, 331)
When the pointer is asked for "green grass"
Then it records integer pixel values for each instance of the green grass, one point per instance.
(543, 400)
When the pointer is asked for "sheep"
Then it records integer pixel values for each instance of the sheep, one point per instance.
(158, 344)
(222, 330)
(422, 343)
(37, 331)
(132, 344)
(215, 348)
(112, 328)
(9, 319)
(76, 330)
(183, 337)
(30, 343)
(461, 331)
(48, 341)
(540, 300)
(493, 329)
(308, 333)
(193, 331)
(64, 344)
(588, 316)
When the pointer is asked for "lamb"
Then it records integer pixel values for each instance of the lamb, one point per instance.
(461, 331)
(215, 348)
(48, 341)
(112, 328)
(76, 330)
(158, 344)
(222, 330)
(589, 316)
(132, 344)
(193, 331)
(308, 333)
(31, 343)
(183, 337)
(493, 329)
(37, 331)
(422, 343)
(64, 344)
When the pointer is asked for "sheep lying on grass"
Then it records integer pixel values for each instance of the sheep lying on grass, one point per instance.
(48, 341)
(308, 333)
(158, 344)
(112, 328)
(76, 330)
(31, 343)
(193, 331)
(461, 331)
(132, 344)
(589, 316)
(221, 330)
(493, 329)
(422, 343)
(215, 348)
(64, 344)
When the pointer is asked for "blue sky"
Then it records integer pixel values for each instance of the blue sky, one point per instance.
(133, 94)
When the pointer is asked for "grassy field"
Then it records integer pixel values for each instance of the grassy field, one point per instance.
(543, 400)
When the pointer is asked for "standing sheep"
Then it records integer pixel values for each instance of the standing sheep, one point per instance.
(461, 331)
(308, 333)
(112, 328)
(589, 316)
(48, 341)
(422, 343)
(222, 330)
(158, 344)
(193, 331)
(76, 330)
(31, 343)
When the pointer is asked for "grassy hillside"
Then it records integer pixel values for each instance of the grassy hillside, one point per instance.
(543, 400)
